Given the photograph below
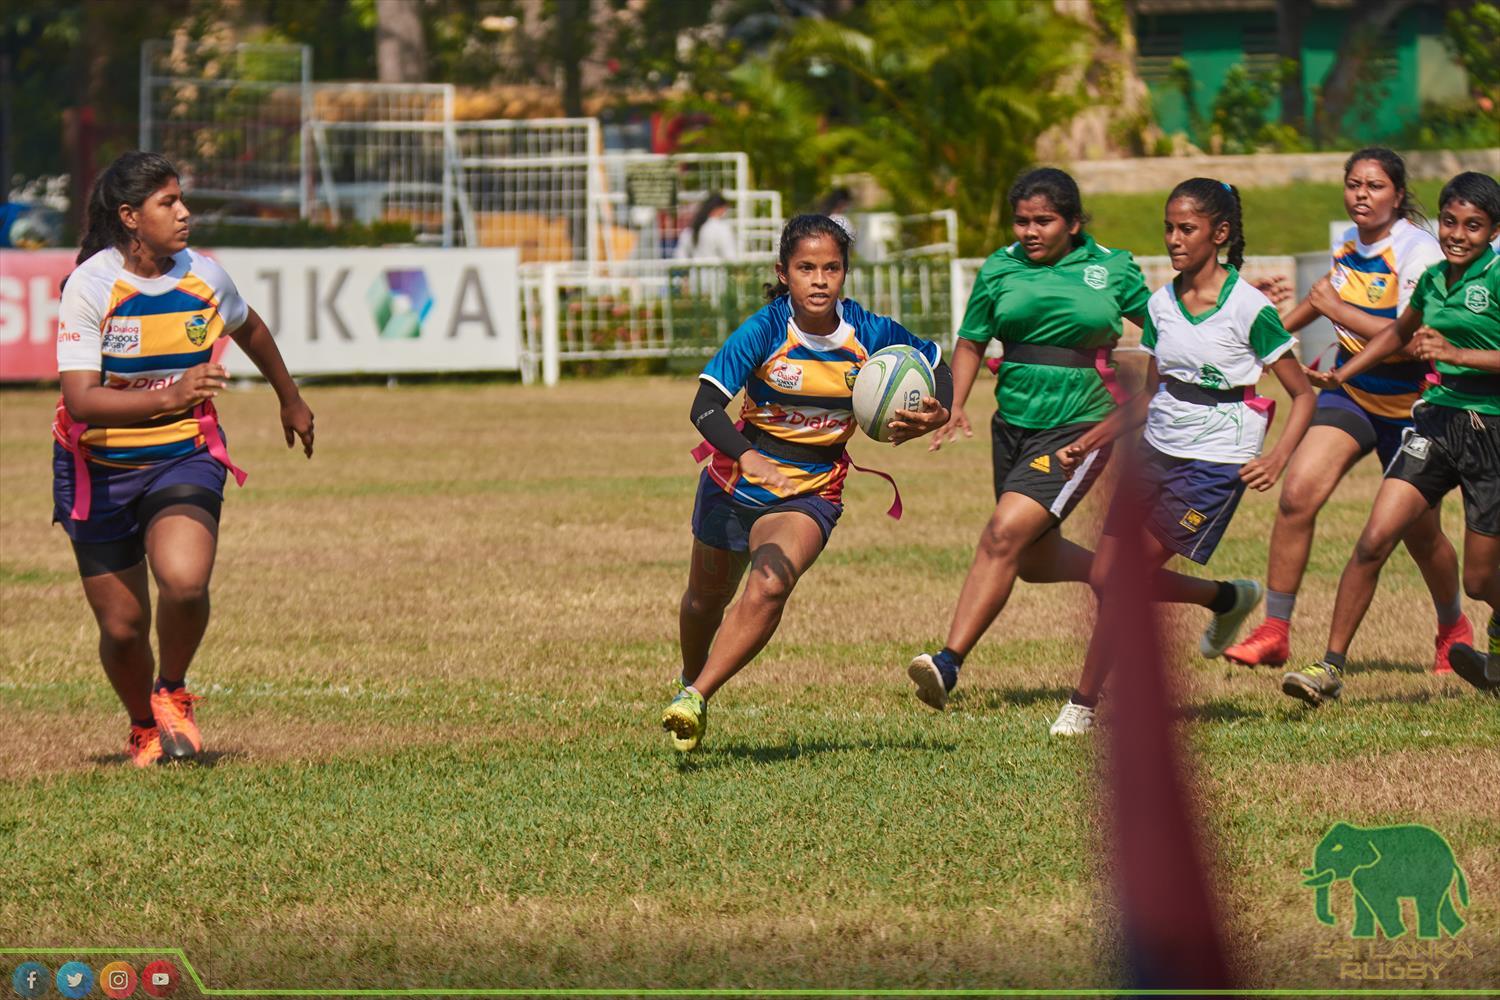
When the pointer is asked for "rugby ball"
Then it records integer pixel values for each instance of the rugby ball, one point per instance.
(893, 378)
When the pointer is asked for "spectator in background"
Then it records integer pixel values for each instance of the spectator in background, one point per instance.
(836, 204)
(710, 236)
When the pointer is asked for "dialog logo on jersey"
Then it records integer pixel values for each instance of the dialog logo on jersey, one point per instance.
(399, 301)
(197, 330)
(1096, 276)
(785, 375)
(121, 337)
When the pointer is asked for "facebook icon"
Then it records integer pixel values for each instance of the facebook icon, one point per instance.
(30, 979)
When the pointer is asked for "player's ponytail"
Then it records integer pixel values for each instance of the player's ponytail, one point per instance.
(130, 180)
(1221, 203)
(799, 228)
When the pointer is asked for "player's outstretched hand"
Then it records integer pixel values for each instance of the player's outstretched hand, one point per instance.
(198, 384)
(762, 471)
(958, 420)
(1320, 380)
(297, 422)
(1261, 473)
(914, 423)
(1277, 288)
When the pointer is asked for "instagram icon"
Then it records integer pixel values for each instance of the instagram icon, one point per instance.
(117, 979)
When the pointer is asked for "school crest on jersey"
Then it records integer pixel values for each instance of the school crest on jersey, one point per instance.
(850, 376)
(1375, 290)
(1211, 378)
(785, 375)
(1477, 298)
(1096, 276)
(197, 330)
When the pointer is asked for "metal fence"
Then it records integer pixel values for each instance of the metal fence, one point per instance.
(659, 309)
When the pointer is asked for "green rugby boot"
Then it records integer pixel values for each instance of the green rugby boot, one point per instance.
(1315, 684)
(686, 719)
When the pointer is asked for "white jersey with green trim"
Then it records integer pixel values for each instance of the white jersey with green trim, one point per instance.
(1225, 347)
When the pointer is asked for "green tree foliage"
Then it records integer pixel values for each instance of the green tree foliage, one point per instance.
(1474, 37)
(941, 100)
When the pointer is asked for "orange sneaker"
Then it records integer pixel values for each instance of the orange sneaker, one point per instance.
(144, 746)
(1269, 645)
(1459, 631)
(180, 739)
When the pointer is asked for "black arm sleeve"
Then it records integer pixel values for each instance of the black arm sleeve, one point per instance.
(942, 377)
(712, 420)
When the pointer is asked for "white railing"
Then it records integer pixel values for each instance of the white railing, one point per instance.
(576, 312)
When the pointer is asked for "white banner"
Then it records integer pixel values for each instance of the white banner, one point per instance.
(348, 311)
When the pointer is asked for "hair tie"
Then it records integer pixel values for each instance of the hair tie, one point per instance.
(1227, 187)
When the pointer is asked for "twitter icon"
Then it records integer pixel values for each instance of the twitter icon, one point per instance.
(75, 980)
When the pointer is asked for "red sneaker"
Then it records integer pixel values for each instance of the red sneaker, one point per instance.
(1269, 645)
(1459, 631)
(180, 738)
(144, 746)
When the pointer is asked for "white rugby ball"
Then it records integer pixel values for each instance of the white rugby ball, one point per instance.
(893, 378)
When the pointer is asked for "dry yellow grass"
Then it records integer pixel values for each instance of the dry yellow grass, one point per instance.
(436, 655)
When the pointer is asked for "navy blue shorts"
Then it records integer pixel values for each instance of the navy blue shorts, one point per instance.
(721, 523)
(1371, 433)
(1188, 502)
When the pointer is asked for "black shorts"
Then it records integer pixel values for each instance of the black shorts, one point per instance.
(1026, 463)
(1448, 447)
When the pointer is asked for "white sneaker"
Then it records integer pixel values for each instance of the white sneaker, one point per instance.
(929, 681)
(1223, 629)
(1073, 720)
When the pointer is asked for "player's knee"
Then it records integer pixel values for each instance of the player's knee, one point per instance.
(1001, 541)
(181, 590)
(702, 604)
(123, 631)
(1479, 582)
(1373, 549)
(1297, 503)
(770, 586)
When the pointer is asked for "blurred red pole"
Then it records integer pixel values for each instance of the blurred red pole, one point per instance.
(1172, 931)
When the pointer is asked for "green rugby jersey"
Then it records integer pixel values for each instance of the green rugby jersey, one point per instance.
(1076, 302)
(1468, 315)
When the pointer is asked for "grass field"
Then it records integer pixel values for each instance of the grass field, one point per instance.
(438, 654)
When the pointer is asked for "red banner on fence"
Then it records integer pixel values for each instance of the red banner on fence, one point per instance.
(29, 296)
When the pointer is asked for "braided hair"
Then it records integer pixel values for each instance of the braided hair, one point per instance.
(802, 227)
(1221, 203)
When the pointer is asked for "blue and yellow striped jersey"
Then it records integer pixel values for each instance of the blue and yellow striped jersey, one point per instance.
(142, 334)
(799, 389)
(1378, 279)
